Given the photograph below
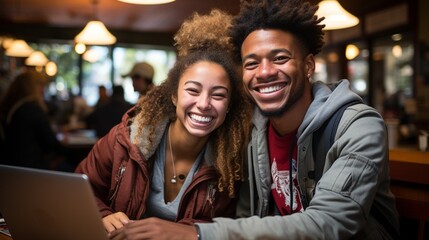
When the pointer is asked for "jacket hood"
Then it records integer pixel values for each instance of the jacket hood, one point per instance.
(327, 99)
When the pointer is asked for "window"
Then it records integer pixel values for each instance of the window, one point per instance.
(98, 68)
(393, 74)
(357, 55)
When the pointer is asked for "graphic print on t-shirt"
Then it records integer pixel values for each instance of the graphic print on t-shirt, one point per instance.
(281, 190)
(280, 154)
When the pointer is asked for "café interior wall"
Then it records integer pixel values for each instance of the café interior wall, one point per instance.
(422, 62)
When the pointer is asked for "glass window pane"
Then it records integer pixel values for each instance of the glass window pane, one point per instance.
(327, 66)
(357, 55)
(97, 68)
(162, 59)
(393, 74)
(66, 61)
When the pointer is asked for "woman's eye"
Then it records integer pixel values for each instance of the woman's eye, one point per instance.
(192, 91)
(219, 96)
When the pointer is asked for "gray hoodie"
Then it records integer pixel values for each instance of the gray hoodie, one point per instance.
(354, 183)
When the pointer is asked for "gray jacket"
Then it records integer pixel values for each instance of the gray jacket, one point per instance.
(356, 177)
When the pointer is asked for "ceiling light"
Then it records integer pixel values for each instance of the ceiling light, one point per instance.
(352, 52)
(95, 32)
(80, 48)
(91, 56)
(336, 17)
(51, 68)
(397, 37)
(37, 58)
(6, 42)
(147, 2)
(19, 48)
(397, 51)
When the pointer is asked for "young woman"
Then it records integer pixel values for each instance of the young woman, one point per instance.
(177, 155)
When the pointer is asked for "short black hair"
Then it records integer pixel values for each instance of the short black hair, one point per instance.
(293, 16)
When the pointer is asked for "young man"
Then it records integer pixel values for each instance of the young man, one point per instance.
(277, 41)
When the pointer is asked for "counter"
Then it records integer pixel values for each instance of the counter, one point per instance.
(409, 172)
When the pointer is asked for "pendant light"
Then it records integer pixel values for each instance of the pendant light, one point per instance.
(95, 32)
(37, 58)
(19, 48)
(147, 2)
(51, 68)
(336, 17)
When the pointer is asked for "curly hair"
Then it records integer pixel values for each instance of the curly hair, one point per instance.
(294, 16)
(204, 31)
(229, 140)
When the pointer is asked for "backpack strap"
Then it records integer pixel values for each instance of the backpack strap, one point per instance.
(323, 138)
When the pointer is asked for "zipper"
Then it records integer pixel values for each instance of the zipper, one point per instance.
(118, 179)
(211, 197)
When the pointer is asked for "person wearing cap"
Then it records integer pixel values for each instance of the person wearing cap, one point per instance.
(142, 76)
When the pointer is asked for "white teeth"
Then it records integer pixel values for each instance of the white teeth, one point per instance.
(200, 118)
(270, 89)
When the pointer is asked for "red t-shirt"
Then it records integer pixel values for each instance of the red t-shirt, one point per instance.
(279, 152)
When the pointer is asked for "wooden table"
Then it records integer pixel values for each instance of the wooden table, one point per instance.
(409, 172)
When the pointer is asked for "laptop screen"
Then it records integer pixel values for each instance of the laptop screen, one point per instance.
(42, 204)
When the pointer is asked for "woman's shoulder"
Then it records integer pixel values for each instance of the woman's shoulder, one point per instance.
(28, 109)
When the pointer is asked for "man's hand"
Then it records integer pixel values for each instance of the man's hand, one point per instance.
(154, 228)
(115, 221)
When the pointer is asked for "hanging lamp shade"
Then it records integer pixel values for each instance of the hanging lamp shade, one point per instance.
(336, 17)
(147, 2)
(19, 48)
(95, 33)
(91, 56)
(37, 58)
(6, 42)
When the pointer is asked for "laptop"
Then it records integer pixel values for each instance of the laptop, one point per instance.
(42, 204)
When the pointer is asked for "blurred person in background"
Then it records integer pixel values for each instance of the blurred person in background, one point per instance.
(103, 97)
(107, 115)
(27, 138)
(142, 75)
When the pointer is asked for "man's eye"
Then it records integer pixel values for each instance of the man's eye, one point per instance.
(250, 65)
(281, 59)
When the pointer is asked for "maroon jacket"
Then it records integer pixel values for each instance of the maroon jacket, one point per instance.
(120, 171)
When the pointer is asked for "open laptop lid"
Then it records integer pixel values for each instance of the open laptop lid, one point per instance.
(42, 204)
